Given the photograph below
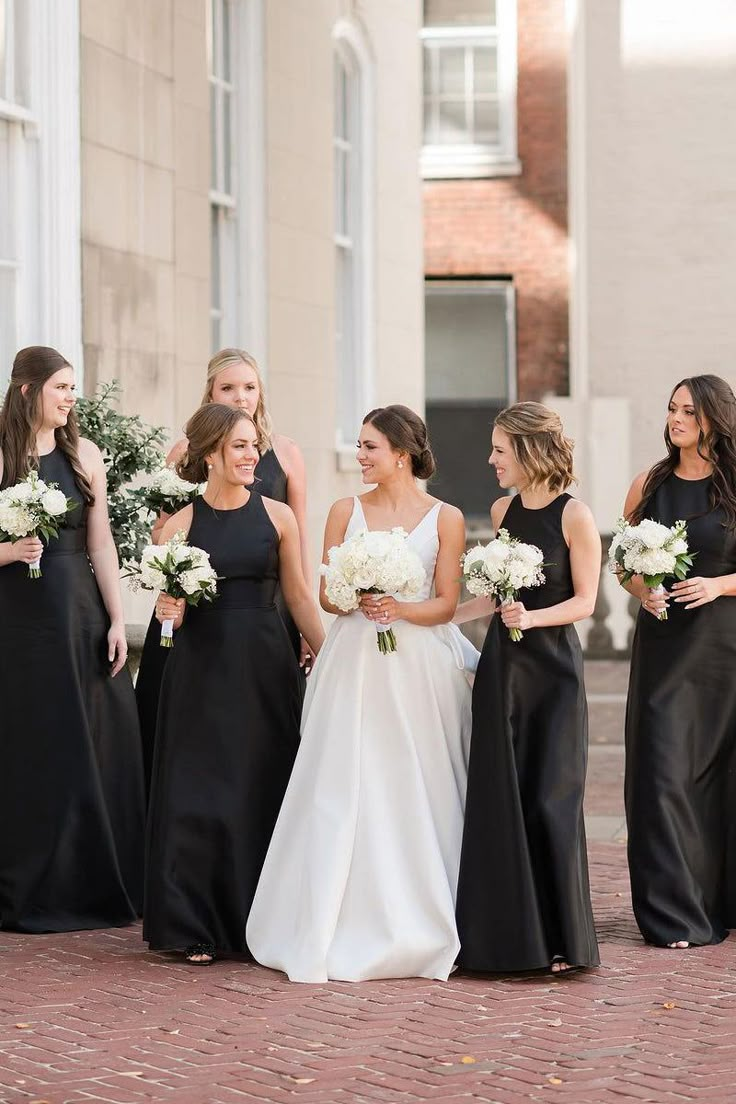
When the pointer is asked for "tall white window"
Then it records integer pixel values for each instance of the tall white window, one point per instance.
(237, 174)
(40, 292)
(353, 221)
(469, 49)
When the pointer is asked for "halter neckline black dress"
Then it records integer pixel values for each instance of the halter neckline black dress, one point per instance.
(681, 742)
(228, 733)
(71, 778)
(523, 893)
(271, 483)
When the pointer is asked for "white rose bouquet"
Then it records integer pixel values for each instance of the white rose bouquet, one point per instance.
(33, 508)
(180, 570)
(379, 562)
(651, 550)
(501, 568)
(164, 490)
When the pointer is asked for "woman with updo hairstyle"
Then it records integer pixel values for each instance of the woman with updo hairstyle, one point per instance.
(681, 711)
(360, 877)
(228, 719)
(71, 779)
(523, 896)
(233, 379)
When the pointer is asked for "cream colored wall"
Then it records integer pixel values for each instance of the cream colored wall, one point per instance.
(653, 192)
(301, 280)
(145, 210)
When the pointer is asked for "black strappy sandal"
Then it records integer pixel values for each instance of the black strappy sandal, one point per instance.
(195, 955)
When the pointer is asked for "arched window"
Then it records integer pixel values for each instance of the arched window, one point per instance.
(353, 228)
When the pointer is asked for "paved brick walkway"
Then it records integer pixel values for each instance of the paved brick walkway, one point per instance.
(94, 1017)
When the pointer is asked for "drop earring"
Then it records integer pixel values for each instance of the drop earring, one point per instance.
(400, 464)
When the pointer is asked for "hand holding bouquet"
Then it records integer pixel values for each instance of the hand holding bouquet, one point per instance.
(180, 570)
(377, 562)
(651, 550)
(502, 568)
(163, 490)
(33, 508)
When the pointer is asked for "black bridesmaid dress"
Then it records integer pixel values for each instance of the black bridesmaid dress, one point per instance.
(681, 742)
(71, 779)
(523, 894)
(228, 733)
(271, 483)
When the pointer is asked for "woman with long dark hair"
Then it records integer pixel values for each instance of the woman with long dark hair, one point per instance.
(681, 714)
(71, 781)
(234, 379)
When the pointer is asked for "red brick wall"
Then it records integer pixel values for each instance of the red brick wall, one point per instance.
(517, 226)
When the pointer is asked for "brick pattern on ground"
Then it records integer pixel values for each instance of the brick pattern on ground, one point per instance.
(93, 1016)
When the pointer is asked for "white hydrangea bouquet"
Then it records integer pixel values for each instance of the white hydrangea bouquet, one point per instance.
(373, 562)
(33, 508)
(179, 569)
(501, 568)
(165, 490)
(651, 550)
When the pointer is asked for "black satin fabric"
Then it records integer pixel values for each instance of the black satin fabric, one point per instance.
(271, 483)
(681, 743)
(71, 778)
(228, 733)
(523, 892)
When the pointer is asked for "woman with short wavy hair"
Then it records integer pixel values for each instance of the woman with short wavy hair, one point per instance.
(523, 894)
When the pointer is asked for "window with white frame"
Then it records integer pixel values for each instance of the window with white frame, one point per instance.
(223, 175)
(40, 218)
(352, 153)
(469, 49)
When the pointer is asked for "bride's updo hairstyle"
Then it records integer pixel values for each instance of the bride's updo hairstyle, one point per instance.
(207, 431)
(540, 445)
(405, 432)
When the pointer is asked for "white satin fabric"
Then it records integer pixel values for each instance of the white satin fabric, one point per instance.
(360, 878)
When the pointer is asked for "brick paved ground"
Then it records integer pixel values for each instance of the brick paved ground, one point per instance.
(94, 1017)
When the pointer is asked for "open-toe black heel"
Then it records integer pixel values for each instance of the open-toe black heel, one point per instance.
(200, 954)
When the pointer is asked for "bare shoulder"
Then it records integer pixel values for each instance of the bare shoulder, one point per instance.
(277, 511)
(449, 518)
(178, 523)
(637, 485)
(287, 451)
(176, 452)
(341, 510)
(498, 511)
(89, 453)
(577, 512)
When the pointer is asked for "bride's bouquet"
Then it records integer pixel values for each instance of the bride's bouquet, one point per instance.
(501, 568)
(651, 550)
(378, 562)
(33, 508)
(163, 490)
(179, 569)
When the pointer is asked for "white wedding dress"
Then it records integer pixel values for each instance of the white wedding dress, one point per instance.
(360, 877)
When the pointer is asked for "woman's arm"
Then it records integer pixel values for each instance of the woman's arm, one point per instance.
(438, 610)
(290, 457)
(300, 603)
(103, 554)
(335, 527)
(652, 603)
(174, 456)
(484, 607)
(168, 608)
(26, 550)
(584, 542)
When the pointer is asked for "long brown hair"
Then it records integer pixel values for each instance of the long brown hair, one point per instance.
(405, 432)
(539, 443)
(227, 358)
(20, 415)
(206, 432)
(713, 401)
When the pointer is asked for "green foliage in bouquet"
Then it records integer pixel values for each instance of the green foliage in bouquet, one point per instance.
(130, 448)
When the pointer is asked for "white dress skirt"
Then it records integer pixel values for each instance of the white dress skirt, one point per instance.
(361, 874)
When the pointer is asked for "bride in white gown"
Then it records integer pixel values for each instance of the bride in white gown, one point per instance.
(360, 877)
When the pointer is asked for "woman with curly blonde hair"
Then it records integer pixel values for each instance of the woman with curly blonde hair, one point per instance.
(523, 895)
(233, 379)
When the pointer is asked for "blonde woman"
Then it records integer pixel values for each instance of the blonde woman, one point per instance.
(523, 896)
(233, 379)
